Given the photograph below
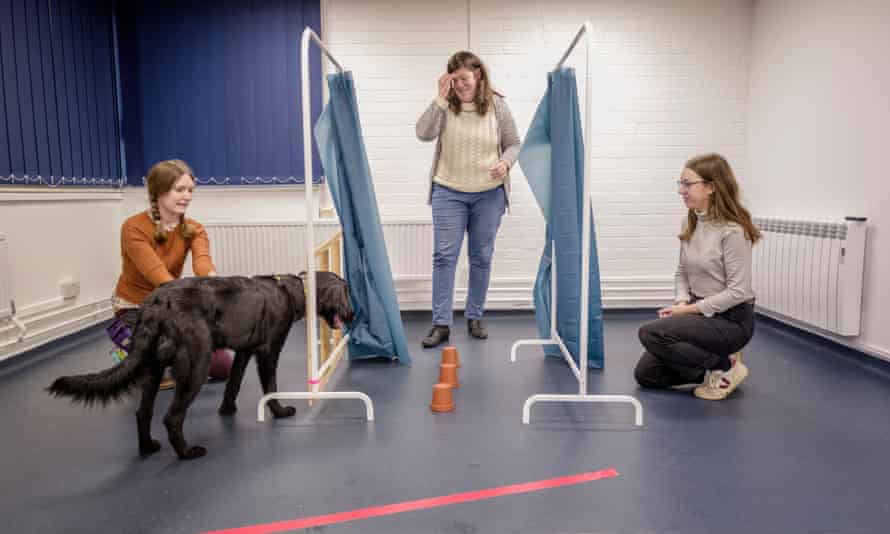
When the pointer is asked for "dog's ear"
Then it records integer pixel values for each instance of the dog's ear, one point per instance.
(347, 315)
(334, 292)
(329, 285)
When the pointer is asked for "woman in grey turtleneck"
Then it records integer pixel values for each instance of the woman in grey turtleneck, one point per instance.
(696, 341)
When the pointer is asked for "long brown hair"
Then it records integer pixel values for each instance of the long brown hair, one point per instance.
(725, 205)
(484, 93)
(160, 180)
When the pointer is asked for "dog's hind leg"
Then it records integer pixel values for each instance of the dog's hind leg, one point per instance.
(190, 376)
(233, 386)
(267, 367)
(147, 445)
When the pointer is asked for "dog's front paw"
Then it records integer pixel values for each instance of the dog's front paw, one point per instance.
(193, 453)
(150, 448)
(285, 411)
(228, 409)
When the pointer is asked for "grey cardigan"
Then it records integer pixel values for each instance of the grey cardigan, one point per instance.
(432, 122)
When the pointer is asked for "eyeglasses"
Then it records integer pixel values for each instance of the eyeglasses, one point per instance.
(682, 184)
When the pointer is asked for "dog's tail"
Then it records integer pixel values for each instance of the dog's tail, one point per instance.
(113, 383)
(104, 386)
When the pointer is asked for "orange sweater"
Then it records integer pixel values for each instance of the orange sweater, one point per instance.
(146, 264)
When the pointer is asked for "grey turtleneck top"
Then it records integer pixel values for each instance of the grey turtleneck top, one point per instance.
(715, 266)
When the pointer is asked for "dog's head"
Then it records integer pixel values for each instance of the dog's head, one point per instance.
(332, 299)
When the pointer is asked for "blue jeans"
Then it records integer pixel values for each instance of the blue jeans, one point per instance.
(454, 213)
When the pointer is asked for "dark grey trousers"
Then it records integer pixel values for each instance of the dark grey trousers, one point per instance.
(129, 316)
(680, 349)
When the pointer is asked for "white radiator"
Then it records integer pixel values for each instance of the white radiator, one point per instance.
(409, 244)
(5, 295)
(250, 248)
(811, 272)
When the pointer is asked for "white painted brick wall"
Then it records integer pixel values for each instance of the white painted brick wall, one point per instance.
(670, 81)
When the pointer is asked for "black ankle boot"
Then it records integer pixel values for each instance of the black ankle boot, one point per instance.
(477, 329)
(438, 334)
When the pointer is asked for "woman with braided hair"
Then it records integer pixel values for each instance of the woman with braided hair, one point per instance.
(155, 242)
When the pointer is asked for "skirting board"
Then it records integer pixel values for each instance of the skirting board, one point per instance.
(414, 293)
(852, 343)
(49, 326)
(515, 293)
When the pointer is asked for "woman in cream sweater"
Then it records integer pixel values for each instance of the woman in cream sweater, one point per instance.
(476, 145)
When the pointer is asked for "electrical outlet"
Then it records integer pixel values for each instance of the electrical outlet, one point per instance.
(69, 289)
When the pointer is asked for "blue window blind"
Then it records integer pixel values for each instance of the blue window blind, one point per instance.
(58, 113)
(217, 84)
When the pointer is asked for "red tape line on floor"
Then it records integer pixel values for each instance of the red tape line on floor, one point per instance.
(421, 504)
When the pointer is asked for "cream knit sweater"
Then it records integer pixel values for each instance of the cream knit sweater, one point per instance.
(469, 150)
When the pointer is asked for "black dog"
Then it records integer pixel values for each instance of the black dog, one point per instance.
(181, 323)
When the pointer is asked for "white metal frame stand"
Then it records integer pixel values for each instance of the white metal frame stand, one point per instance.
(580, 373)
(311, 319)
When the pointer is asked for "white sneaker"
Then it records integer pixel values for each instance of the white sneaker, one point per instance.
(734, 358)
(719, 384)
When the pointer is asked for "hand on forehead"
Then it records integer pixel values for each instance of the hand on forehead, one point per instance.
(466, 73)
